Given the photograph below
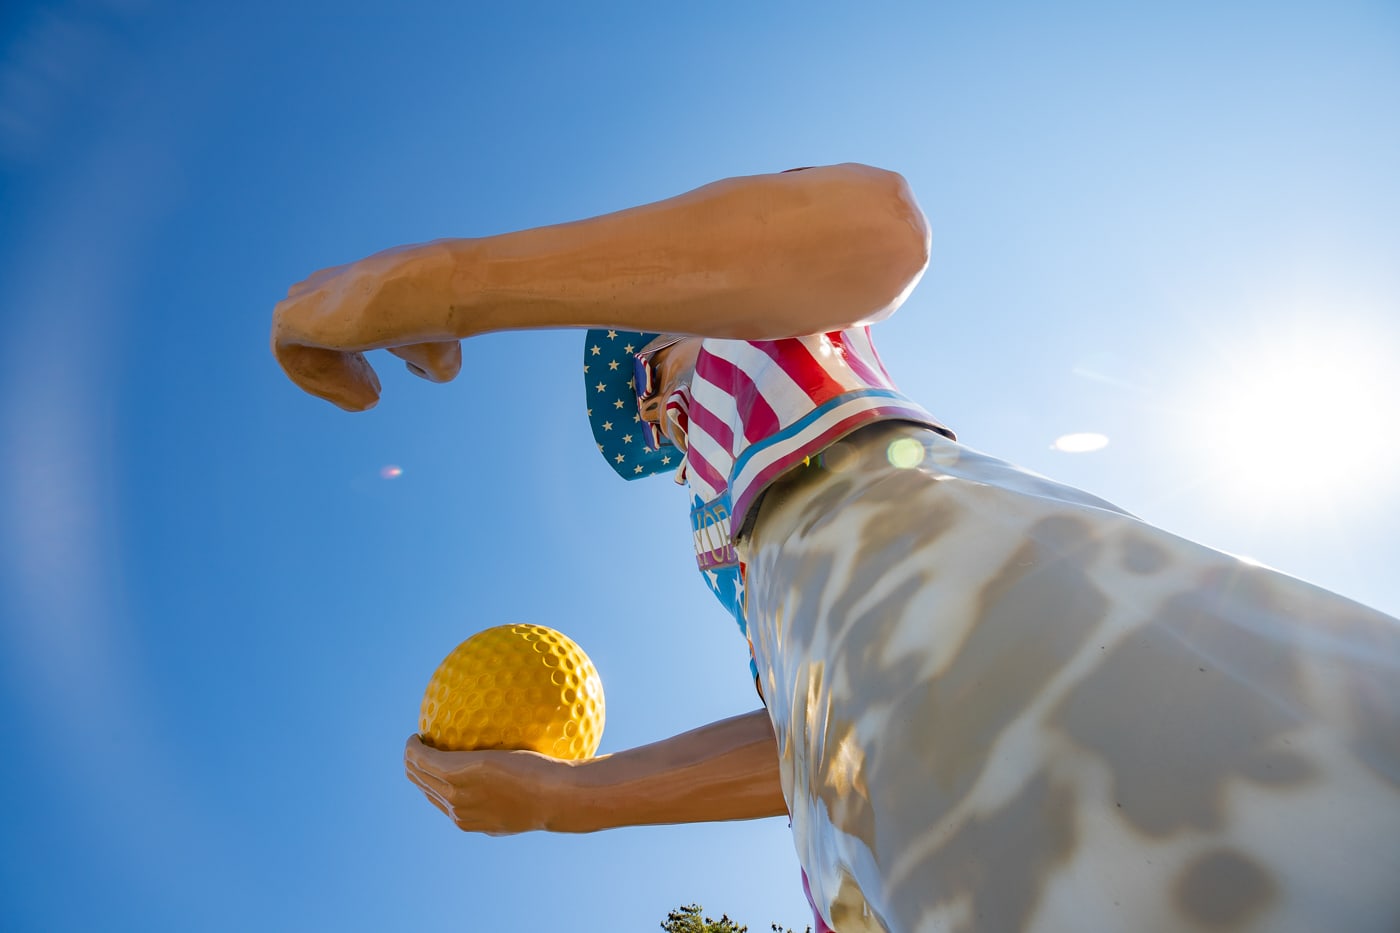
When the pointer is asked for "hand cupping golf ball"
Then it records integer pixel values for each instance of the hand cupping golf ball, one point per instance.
(515, 687)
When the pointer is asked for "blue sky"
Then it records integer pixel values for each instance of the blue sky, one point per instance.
(1171, 224)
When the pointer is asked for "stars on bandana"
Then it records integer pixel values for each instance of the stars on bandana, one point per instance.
(608, 374)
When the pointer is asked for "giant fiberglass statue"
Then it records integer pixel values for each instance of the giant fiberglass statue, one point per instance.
(989, 701)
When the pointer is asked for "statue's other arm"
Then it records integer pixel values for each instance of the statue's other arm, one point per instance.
(727, 770)
(757, 257)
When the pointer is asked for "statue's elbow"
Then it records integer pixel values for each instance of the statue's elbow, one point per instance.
(868, 240)
(909, 231)
(900, 240)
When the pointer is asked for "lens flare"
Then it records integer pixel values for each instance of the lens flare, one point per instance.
(1081, 443)
(391, 472)
(905, 453)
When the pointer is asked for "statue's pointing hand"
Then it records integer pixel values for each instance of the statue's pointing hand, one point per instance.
(321, 331)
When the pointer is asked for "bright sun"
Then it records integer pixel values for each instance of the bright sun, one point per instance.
(1309, 419)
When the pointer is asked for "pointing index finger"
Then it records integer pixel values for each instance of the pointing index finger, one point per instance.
(342, 378)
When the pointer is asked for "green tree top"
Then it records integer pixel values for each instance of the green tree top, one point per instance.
(690, 919)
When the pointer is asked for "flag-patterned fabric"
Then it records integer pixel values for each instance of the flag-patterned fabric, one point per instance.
(753, 411)
(611, 391)
(759, 408)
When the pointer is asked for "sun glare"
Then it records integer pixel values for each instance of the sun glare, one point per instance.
(1309, 420)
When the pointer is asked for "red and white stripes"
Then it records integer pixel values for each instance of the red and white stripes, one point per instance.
(758, 408)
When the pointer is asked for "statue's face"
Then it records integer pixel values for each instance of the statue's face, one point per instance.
(672, 367)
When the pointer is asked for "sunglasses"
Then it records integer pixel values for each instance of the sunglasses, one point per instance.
(647, 384)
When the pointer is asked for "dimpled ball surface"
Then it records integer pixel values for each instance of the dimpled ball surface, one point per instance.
(515, 687)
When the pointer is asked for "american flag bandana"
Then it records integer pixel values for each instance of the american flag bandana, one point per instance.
(611, 390)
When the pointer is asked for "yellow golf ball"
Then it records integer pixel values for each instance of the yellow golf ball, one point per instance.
(512, 687)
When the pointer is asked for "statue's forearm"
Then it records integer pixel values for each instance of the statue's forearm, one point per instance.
(754, 258)
(727, 770)
(757, 257)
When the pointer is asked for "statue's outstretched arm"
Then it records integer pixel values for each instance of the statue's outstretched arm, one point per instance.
(727, 770)
(757, 257)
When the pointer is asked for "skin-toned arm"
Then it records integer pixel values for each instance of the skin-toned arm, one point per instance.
(727, 770)
(757, 257)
